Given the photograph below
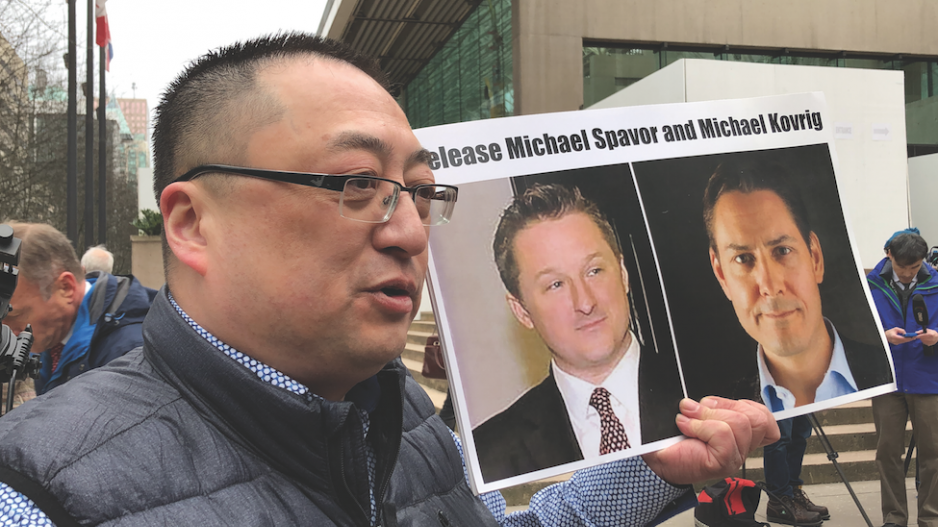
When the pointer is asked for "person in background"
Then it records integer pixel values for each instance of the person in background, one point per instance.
(97, 258)
(894, 281)
(79, 322)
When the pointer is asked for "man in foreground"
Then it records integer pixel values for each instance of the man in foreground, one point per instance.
(296, 202)
(79, 322)
(769, 263)
(561, 264)
(893, 282)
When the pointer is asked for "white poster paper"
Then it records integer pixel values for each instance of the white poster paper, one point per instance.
(696, 247)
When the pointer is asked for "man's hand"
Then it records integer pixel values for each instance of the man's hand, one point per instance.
(896, 336)
(929, 338)
(720, 433)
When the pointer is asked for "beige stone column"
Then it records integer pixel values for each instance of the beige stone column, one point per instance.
(147, 260)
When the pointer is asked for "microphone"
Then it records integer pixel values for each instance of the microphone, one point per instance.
(920, 312)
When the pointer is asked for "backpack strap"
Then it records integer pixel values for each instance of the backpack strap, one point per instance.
(96, 307)
(123, 289)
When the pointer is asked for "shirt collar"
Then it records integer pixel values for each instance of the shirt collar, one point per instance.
(364, 394)
(779, 398)
(576, 392)
(896, 280)
(89, 285)
(260, 369)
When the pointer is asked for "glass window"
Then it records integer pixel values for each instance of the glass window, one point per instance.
(470, 77)
(607, 70)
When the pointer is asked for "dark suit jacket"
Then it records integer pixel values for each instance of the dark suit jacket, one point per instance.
(535, 432)
(868, 364)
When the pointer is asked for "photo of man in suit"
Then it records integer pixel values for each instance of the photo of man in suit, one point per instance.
(566, 279)
(770, 265)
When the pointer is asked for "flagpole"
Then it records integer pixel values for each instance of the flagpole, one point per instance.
(71, 193)
(102, 151)
(89, 131)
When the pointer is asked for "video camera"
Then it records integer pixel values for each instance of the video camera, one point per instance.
(932, 257)
(14, 350)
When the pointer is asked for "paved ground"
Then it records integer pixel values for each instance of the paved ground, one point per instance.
(844, 512)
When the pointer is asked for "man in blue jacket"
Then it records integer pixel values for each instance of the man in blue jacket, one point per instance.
(79, 322)
(893, 282)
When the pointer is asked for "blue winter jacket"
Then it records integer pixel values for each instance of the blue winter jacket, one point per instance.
(915, 373)
(108, 325)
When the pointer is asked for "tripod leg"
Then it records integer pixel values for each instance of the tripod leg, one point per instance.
(908, 455)
(832, 455)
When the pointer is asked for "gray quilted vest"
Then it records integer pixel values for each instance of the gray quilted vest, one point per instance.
(176, 433)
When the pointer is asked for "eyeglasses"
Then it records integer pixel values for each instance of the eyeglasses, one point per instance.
(367, 199)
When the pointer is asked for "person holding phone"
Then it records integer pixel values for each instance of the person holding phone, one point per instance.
(893, 283)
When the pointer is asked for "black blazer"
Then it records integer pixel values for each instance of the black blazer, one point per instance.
(868, 364)
(535, 432)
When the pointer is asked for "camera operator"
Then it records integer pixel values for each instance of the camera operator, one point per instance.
(894, 283)
(79, 323)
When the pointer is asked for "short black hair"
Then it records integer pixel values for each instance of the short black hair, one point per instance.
(908, 248)
(209, 112)
(216, 100)
(539, 203)
(746, 176)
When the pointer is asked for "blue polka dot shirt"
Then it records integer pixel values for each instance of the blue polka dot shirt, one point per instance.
(621, 493)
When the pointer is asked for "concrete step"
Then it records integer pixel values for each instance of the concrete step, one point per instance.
(856, 456)
(852, 435)
(424, 326)
(415, 367)
(413, 352)
(816, 469)
(844, 438)
(412, 357)
(426, 316)
(851, 413)
(418, 337)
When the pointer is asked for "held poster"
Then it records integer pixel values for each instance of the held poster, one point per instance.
(601, 265)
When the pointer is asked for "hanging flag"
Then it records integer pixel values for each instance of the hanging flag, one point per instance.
(104, 33)
(103, 36)
(108, 56)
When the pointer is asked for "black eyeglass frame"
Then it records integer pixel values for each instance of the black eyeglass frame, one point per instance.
(334, 182)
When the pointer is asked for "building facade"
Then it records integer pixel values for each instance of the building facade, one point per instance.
(463, 60)
(137, 115)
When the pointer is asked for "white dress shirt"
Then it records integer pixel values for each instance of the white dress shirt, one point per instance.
(910, 285)
(622, 384)
(838, 380)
